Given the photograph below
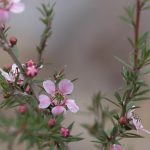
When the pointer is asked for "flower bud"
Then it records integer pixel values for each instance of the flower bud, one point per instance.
(27, 89)
(51, 122)
(22, 109)
(30, 63)
(13, 40)
(64, 132)
(2, 27)
(31, 71)
(122, 120)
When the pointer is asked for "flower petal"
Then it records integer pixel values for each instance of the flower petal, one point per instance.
(72, 105)
(4, 15)
(115, 147)
(14, 67)
(44, 101)
(58, 110)
(66, 86)
(49, 87)
(15, 1)
(6, 75)
(17, 7)
(137, 123)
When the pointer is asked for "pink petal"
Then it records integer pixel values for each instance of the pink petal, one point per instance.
(49, 87)
(72, 105)
(58, 110)
(44, 101)
(115, 147)
(66, 86)
(137, 123)
(17, 7)
(15, 1)
(4, 15)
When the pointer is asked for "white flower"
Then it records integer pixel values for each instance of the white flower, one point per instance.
(13, 74)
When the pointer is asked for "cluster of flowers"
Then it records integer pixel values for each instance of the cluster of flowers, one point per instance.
(12, 73)
(56, 98)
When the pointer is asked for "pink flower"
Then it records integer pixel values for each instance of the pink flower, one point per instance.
(6, 6)
(13, 74)
(31, 71)
(115, 147)
(30, 63)
(64, 132)
(135, 121)
(58, 97)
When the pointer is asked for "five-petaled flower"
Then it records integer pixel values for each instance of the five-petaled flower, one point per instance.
(6, 6)
(135, 121)
(115, 147)
(57, 98)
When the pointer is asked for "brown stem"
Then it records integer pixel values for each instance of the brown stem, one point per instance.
(136, 68)
(136, 34)
(41, 47)
(10, 146)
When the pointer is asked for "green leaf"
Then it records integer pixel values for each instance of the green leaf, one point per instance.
(111, 101)
(140, 98)
(71, 126)
(131, 135)
(118, 97)
(146, 8)
(131, 42)
(142, 92)
(126, 19)
(123, 62)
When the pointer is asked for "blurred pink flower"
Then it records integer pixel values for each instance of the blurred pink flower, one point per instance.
(6, 6)
(135, 121)
(4, 15)
(115, 147)
(58, 97)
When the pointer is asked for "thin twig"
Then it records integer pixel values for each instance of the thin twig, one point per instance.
(136, 34)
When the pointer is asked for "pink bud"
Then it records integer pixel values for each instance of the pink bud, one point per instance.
(8, 66)
(122, 120)
(13, 40)
(51, 122)
(22, 109)
(27, 89)
(29, 63)
(2, 26)
(31, 71)
(64, 132)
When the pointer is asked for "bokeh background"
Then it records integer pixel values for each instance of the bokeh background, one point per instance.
(86, 36)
